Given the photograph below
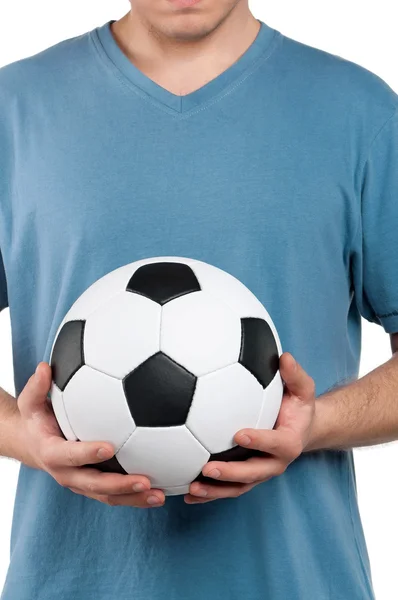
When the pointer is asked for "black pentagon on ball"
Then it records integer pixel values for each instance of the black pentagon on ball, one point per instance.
(259, 352)
(236, 453)
(159, 392)
(112, 465)
(68, 353)
(163, 281)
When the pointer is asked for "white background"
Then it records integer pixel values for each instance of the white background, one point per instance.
(362, 32)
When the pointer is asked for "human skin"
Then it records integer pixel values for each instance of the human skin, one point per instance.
(29, 433)
(334, 420)
(363, 412)
(182, 49)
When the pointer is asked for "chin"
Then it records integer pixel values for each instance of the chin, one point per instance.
(190, 33)
(191, 23)
(188, 27)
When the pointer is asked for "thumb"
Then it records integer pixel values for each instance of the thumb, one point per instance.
(297, 380)
(33, 397)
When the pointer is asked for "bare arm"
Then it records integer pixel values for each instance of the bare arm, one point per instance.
(361, 413)
(8, 426)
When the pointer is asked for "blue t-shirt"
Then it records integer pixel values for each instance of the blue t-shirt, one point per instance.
(282, 171)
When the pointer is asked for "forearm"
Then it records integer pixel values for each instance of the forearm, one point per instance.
(361, 413)
(9, 415)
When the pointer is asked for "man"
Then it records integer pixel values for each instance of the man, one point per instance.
(190, 128)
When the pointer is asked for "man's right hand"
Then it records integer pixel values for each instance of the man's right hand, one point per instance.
(42, 446)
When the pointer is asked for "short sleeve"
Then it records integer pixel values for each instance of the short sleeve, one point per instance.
(3, 286)
(375, 256)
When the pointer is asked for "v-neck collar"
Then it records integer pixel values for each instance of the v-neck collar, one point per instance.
(259, 49)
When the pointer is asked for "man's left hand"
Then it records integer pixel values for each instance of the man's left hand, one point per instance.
(281, 445)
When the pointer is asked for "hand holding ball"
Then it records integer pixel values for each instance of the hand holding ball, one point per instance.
(166, 358)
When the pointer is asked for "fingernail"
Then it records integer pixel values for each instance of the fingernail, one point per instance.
(138, 487)
(103, 453)
(215, 473)
(153, 500)
(244, 440)
(202, 492)
(37, 372)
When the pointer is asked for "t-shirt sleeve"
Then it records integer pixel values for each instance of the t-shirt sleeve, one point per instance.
(375, 259)
(3, 286)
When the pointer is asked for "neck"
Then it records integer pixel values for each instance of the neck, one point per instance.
(184, 65)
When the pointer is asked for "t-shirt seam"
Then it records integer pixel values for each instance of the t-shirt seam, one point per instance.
(6, 212)
(109, 64)
(132, 87)
(232, 87)
(358, 225)
(353, 527)
(362, 169)
(375, 138)
(393, 313)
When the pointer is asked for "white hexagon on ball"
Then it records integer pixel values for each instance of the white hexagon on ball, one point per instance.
(171, 457)
(224, 402)
(58, 405)
(102, 290)
(121, 334)
(195, 323)
(97, 409)
(233, 293)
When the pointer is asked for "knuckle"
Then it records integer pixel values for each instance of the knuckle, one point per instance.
(46, 456)
(273, 445)
(92, 488)
(248, 479)
(70, 457)
(111, 500)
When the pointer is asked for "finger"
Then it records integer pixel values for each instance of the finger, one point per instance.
(213, 492)
(33, 397)
(283, 444)
(153, 498)
(189, 499)
(140, 500)
(92, 481)
(248, 471)
(296, 378)
(57, 452)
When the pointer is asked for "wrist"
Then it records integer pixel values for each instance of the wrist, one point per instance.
(18, 446)
(14, 435)
(319, 434)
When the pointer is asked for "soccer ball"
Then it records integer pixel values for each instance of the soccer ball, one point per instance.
(166, 358)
